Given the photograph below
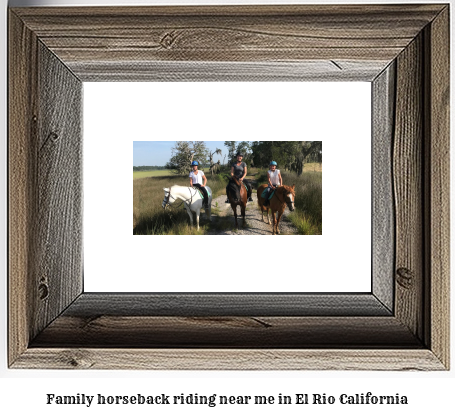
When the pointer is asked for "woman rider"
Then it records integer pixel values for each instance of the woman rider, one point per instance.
(239, 170)
(198, 179)
(274, 180)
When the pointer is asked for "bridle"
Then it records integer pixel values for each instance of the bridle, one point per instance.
(167, 198)
(283, 201)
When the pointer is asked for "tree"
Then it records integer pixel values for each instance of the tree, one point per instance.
(235, 147)
(244, 147)
(231, 151)
(290, 155)
(262, 153)
(183, 154)
(214, 167)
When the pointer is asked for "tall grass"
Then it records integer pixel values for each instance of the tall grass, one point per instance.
(149, 218)
(307, 216)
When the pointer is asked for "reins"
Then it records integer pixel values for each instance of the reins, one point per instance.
(276, 194)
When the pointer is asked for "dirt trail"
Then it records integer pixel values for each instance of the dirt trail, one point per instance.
(223, 219)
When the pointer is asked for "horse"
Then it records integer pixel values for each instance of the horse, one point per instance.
(284, 195)
(192, 200)
(242, 202)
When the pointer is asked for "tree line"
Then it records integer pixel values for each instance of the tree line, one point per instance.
(290, 155)
(148, 168)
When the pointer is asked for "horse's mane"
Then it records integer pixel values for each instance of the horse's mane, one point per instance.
(236, 180)
(287, 188)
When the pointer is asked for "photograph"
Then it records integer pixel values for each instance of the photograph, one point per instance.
(227, 188)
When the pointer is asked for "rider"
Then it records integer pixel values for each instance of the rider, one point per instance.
(198, 179)
(239, 170)
(274, 180)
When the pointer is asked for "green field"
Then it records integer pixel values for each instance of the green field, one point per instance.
(151, 173)
(149, 218)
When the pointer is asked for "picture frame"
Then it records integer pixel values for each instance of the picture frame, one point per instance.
(402, 324)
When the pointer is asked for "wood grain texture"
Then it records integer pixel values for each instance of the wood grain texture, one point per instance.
(437, 164)
(383, 215)
(256, 332)
(45, 187)
(408, 188)
(58, 214)
(234, 359)
(308, 71)
(21, 177)
(227, 34)
(214, 305)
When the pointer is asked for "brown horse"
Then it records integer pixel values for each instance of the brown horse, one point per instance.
(242, 202)
(284, 195)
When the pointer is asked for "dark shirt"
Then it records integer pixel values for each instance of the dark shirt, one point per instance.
(239, 170)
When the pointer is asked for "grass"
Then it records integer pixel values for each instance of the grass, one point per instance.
(149, 218)
(312, 167)
(307, 216)
(151, 173)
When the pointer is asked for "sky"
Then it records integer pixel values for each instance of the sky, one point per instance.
(158, 153)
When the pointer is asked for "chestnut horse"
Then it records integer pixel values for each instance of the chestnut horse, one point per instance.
(242, 202)
(284, 195)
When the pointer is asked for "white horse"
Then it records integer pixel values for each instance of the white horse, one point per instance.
(191, 198)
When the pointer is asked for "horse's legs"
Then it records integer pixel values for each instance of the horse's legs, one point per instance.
(234, 208)
(209, 214)
(198, 212)
(278, 222)
(265, 209)
(190, 214)
(243, 215)
(273, 223)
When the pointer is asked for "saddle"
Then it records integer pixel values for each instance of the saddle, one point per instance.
(264, 193)
(202, 194)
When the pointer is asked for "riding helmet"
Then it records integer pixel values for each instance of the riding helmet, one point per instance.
(195, 163)
(273, 163)
(239, 154)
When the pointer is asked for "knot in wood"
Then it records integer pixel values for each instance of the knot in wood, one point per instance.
(168, 39)
(53, 136)
(43, 290)
(405, 278)
(76, 359)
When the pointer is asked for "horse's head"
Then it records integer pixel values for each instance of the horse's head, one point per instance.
(236, 180)
(168, 198)
(289, 196)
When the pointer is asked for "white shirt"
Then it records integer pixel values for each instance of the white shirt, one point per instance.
(274, 177)
(197, 178)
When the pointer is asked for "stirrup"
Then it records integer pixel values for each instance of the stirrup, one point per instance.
(227, 200)
(250, 199)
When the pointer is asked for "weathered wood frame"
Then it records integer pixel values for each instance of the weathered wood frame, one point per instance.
(403, 50)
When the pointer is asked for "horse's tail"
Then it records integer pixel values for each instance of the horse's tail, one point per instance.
(209, 192)
(259, 193)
